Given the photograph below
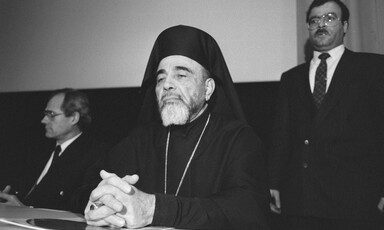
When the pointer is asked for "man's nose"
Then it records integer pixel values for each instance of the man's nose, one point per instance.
(169, 83)
(44, 120)
(322, 23)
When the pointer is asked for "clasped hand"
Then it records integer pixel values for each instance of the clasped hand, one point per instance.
(123, 204)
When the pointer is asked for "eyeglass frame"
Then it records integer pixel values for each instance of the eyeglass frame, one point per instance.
(51, 115)
(322, 19)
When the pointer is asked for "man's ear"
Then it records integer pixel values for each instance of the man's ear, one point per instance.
(345, 26)
(210, 88)
(75, 118)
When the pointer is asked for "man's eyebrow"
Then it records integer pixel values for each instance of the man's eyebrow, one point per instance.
(178, 68)
(315, 16)
(160, 71)
(184, 69)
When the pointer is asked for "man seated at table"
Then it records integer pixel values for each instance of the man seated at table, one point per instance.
(66, 119)
(194, 163)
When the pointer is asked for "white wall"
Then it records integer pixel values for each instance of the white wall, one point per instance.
(50, 44)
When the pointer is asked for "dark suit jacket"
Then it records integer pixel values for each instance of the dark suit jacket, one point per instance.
(55, 190)
(330, 163)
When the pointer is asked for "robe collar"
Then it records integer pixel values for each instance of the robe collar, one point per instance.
(185, 130)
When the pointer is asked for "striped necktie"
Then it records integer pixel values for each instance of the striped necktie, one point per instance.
(320, 80)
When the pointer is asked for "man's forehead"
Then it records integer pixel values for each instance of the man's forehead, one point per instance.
(179, 61)
(55, 102)
(329, 7)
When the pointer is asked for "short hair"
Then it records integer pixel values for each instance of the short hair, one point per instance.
(343, 7)
(75, 101)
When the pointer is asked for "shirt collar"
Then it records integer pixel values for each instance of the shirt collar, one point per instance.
(66, 143)
(335, 53)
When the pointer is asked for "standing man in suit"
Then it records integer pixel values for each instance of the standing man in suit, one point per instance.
(326, 161)
(66, 117)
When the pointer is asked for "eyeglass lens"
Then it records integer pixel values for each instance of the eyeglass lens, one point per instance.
(329, 19)
(51, 114)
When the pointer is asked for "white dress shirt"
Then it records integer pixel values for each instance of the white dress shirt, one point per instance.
(332, 62)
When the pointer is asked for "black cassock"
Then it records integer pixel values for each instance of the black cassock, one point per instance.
(225, 185)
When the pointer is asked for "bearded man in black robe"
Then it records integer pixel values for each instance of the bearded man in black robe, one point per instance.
(193, 163)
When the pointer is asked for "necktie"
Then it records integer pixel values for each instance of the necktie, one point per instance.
(320, 80)
(55, 156)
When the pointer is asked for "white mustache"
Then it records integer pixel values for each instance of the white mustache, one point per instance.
(170, 96)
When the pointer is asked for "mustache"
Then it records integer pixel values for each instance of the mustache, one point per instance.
(321, 31)
(170, 95)
(163, 101)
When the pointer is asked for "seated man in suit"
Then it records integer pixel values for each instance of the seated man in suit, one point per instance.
(200, 165)
(66, 117)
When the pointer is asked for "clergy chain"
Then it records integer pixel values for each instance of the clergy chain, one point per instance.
(189, 161)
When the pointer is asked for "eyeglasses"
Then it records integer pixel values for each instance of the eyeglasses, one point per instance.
(51, 115)
(329, 19)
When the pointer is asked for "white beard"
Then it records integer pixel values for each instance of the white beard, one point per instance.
(174, 113)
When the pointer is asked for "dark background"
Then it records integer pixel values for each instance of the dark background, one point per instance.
(114, 112)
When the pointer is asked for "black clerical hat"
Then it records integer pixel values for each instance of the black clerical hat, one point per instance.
(201, 47)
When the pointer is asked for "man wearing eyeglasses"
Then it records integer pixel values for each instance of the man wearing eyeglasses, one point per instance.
(326, 161)
(66, 118)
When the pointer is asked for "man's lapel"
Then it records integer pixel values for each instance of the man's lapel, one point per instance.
(305, 91)
(71, 154)
(339, 85)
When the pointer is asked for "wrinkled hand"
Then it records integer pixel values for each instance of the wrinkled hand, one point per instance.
(8, 198)
(380, 205)
(124, 205)
(275, 204)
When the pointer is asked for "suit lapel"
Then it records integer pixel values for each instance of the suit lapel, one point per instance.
(305, 90)
(70, 154)
(340, 83)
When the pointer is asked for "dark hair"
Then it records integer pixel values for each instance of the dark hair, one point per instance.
(75, 101)
(317, 3)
